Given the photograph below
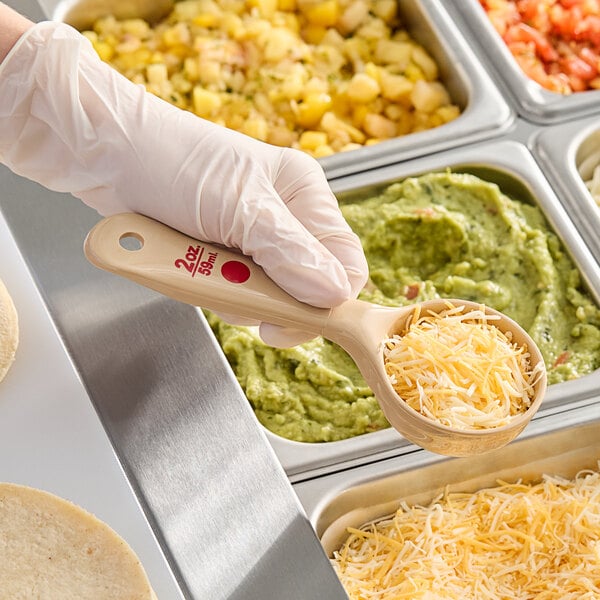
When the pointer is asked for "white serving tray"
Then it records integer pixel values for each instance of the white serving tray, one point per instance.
(50, 435)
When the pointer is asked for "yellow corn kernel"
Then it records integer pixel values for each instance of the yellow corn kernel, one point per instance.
(127, 61)
(448, 113)
(322, 151)
(313, 34)
(233, 26)
(266, 8)
(358, 115)
(92, 36)
(205, 103)
(105, 51)
(363, 88)
(206, 20)
(312, 109)
(311, 140)
(372, 70)
(413, 72)
(322, 13)
(287, 5)
(427, 65)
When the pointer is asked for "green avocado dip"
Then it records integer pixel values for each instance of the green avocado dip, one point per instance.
(449, 235)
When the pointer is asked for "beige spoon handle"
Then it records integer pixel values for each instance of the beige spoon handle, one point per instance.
(195, 272)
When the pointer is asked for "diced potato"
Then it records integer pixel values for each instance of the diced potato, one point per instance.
(354, 15)
(392, 52)
(385, 9)
(427, 96)
(378, 126)
(334, 126)
(311, 140)
(277, 44)
(363, 88)
(321, 13)
(394, 87)
(256, 127)
(157, 73)
(425, 63)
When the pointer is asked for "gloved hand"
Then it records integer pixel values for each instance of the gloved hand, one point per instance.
(74, 124)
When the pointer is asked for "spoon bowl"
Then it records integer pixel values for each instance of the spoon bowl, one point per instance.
(225, 281)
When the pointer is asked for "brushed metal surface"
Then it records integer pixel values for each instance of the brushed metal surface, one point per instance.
(222, 509)
(218, 499)
(561, 150)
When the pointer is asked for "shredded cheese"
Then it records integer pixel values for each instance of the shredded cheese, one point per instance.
(457, 368)
(511, 541)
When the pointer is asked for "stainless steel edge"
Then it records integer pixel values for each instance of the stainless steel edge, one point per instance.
(219, 502)
(529, 99)
(559, 150)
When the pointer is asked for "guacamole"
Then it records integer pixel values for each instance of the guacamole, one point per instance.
(447, 235)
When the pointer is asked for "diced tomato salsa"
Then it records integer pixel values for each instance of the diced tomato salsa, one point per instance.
(555, 42)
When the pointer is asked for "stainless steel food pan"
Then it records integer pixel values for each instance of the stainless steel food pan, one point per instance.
(484, 111)
(512, 166)
(530, 99)
(560, 445)
(567, 154)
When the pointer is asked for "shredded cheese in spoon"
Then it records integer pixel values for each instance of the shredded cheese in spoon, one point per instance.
(516, 540)
(457, 368)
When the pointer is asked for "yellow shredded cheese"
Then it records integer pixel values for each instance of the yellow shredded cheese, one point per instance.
(459, 369)
(515, 540)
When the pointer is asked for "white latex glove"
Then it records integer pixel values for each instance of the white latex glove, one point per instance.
(74, 124)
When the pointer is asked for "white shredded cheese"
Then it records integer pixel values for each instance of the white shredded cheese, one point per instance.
(457, 368)
(515, 540)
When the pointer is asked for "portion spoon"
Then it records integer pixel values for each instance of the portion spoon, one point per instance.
(225, 281)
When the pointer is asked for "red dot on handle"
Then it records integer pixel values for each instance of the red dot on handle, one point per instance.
(235, 271)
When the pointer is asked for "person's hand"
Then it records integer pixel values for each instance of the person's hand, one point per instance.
(73, 124)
